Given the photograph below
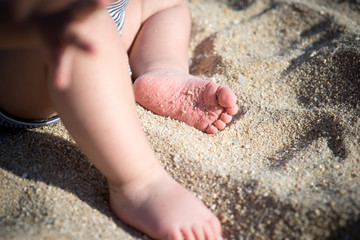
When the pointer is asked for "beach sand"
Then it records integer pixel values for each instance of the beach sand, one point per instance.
(287, 167)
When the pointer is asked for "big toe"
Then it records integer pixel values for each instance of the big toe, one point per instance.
(226, 97)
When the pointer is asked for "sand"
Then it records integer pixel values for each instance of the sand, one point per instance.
(287, 167)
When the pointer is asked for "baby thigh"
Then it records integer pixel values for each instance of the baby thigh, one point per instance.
(139, 11)
(24, 74)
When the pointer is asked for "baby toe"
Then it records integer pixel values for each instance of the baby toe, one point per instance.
(232, 110)
(212, 130)
(188, 234)
(202, 125)
(226, 97)
(178, 235)
(219, 124)
(209, 232)
(216, 226)
(226, 118)
(199, 232)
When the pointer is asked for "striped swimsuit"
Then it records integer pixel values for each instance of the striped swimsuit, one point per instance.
(117, 12)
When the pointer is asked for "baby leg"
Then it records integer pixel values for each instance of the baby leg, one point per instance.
(159, 61)
(98, 109)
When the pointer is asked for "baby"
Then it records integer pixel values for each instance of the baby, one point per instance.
(68, 59)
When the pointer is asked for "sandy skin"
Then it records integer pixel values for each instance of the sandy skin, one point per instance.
(202, 104)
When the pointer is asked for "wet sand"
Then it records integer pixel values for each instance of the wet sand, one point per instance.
(288, 166)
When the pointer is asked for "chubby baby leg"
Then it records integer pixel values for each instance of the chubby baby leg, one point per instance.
(158, 58)
(98, 109)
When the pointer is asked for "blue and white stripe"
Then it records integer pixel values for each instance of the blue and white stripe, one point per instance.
(8, 121)
(117, 12)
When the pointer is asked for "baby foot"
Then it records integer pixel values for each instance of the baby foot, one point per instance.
(163, 209)
(202, 104)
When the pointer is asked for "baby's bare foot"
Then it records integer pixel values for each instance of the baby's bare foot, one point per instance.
(163, 209)
(202, 104)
